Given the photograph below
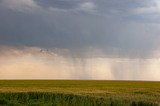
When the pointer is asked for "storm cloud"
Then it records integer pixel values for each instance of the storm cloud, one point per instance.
(114, 33)
(125, 26)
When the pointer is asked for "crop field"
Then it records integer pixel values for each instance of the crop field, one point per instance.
(79, 93)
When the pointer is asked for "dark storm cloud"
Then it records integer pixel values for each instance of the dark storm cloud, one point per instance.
(110, 25)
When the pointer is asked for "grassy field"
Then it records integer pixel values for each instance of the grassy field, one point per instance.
(78, 93)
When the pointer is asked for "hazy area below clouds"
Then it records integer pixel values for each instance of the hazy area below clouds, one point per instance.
(39, 63)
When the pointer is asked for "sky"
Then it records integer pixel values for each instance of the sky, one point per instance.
(80, 39)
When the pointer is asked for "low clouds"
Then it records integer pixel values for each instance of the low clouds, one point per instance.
(149, 12)
(87, 6)
(153, 7)
(19, 5)
(67, 5)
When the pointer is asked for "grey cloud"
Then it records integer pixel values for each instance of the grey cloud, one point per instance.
(110, 31)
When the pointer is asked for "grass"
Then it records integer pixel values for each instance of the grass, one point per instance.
(79, 93)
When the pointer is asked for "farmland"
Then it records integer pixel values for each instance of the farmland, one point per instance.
(79, 92)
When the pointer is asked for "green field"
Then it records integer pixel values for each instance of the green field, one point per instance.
(78, 93)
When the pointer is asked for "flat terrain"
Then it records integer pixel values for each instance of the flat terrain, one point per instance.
(116, 90)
